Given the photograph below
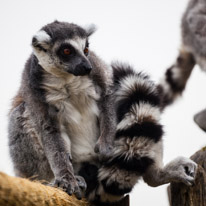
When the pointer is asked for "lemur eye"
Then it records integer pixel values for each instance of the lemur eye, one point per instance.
(67, 51)
(86, 51)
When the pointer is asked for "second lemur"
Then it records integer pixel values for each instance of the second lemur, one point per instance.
(192, 52)
(84, 126)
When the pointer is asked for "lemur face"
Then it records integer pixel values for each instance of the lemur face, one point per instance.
(62, 47)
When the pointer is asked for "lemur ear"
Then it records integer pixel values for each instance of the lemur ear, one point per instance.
(90, 29)
(41, 40)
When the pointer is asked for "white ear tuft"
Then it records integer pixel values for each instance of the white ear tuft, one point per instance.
(41, 38)
(90, 29)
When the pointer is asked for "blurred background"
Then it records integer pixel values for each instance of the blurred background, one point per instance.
(144, 33)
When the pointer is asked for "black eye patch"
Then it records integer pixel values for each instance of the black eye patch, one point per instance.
(65, 52)
(87, 44)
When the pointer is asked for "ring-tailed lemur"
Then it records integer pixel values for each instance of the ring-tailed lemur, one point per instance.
(193, 51)
(67, 99)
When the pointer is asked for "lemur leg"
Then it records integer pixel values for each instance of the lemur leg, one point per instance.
(107, 122)
(29, 159)
(62, 181)
(180, 169)
(102, 77)
(175, 79)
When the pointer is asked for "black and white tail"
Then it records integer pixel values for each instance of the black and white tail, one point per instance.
(175, 79)
(138, 136)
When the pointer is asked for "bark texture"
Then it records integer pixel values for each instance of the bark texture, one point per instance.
(182, 195)
(15, 191)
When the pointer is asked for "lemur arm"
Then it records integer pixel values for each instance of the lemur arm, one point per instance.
(175, 78)
(107, 122)
(103, 79)
(59, 158)
(180, 169)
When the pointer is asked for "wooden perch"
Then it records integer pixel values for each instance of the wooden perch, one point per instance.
(16, 191)
(182, 195)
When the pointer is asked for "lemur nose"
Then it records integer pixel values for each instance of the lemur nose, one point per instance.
(87, 67)
(83, 69)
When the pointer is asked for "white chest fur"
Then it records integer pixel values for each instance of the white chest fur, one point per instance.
(75, 98)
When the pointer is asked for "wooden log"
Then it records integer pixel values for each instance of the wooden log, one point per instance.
(16, 191)
(182, 195)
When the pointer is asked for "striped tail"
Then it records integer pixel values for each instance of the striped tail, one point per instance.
(175, 79)
(138, 136)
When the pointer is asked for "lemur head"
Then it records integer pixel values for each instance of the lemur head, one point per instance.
(63, 47)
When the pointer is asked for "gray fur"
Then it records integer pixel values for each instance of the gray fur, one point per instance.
(43, 125)
(174, 82)
(194, 40)
(194, 27)
(193, 51)
(69, 106)
(180, 169)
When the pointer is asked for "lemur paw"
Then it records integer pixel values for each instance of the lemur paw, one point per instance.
(184, 170)
(71, 185)
(104, 149)
(81, 183)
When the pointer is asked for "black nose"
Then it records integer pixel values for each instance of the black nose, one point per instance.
(82, 69)
(86, 66)
(88, 69)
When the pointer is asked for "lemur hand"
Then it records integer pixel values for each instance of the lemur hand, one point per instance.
(104, 148)
(183, 170)
(71, 184)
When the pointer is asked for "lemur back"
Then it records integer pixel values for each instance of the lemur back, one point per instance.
(84, 126)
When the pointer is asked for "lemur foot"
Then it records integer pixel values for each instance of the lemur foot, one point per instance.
(81, 183)
(72, 185)
(182, 170)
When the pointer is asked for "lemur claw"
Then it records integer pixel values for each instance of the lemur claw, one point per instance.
(71, 185)
(185, 170)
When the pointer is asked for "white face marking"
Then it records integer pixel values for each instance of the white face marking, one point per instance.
(44, 60)
(78, 43)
